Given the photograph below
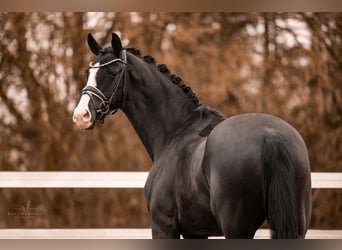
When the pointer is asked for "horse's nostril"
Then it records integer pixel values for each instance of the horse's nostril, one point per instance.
(86, 115)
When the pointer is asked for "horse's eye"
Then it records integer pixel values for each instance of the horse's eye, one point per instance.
(113, 71)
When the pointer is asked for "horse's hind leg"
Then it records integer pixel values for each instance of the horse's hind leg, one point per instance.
(238, 231)
(238, 208)
(238, 215)
(239, 223)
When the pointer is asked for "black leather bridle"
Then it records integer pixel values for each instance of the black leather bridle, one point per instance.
(104, 109)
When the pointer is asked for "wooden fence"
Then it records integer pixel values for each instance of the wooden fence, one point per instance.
(121, 180)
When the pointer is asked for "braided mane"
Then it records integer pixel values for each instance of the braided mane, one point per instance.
(216, 117)
(172, 77)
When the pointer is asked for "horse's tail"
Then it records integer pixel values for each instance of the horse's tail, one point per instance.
(279, 180)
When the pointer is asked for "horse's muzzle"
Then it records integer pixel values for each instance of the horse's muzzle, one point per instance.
(82, 116)
(82, 119)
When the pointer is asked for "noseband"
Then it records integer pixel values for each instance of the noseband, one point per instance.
(104, 108)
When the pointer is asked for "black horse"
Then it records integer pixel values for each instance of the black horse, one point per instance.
(211, 175)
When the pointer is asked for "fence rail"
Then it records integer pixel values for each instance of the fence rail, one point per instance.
(129, 233)
(115, 180)
(12, 179)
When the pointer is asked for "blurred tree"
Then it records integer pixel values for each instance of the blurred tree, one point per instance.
(286, 64)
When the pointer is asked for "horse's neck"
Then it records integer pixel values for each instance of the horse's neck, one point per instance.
(157, 109)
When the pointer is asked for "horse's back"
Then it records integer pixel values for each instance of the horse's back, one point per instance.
(235, 170)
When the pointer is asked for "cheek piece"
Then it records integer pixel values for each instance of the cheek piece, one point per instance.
(102, 105)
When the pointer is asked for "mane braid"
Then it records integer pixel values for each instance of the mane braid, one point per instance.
(172, 77)
(203, 110)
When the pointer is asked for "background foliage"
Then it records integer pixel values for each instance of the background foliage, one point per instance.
(286, 64)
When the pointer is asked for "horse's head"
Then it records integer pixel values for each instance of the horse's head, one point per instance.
(104, 91)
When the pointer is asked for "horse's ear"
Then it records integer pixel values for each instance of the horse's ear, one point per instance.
(93, 45)
(116, 44)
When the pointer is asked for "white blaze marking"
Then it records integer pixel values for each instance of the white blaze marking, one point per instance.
(82, 106)
(92, 76)
(82, 116)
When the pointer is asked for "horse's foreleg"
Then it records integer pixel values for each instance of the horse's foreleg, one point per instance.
(164, 231)
(164, 222)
